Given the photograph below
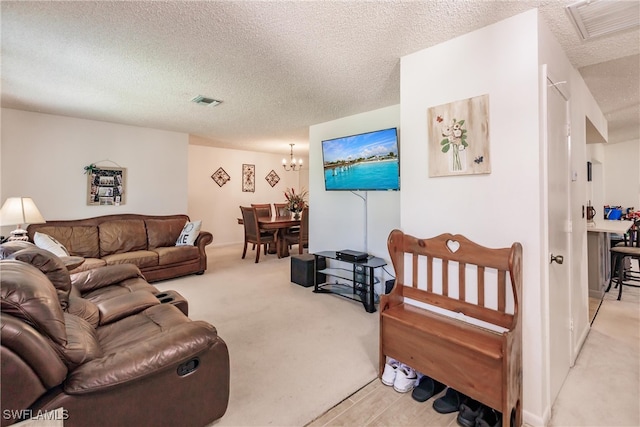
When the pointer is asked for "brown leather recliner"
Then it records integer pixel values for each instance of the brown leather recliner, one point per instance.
(122, 358)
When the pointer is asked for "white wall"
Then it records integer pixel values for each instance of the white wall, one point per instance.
(503, 207)
(622, 174)
(337, 218)
(43, 157)
(219, 207)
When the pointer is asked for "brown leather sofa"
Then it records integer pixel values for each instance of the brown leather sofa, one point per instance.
(147, 241)
(120, 356)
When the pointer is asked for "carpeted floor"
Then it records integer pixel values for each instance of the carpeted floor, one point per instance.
(294, 354)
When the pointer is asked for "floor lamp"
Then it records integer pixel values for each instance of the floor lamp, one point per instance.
(19, 211)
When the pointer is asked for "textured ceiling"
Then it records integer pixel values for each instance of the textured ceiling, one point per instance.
(278, 67)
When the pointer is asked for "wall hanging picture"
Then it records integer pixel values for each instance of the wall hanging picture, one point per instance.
(249, 178)
(105, 186)
(458, 135)
(220, 177)
(272, 178)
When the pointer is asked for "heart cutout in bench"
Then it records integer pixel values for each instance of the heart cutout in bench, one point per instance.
(453, 246)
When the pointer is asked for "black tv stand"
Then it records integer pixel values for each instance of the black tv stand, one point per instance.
(359, 278)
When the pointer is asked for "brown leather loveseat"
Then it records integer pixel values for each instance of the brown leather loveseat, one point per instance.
(147, 241)
(102, 346)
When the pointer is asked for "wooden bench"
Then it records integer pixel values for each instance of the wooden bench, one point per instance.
(452, 273)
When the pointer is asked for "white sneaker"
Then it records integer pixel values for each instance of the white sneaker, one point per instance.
(405, 379)
(389, 373)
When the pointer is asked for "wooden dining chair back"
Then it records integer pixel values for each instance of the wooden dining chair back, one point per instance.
(282, 209)
(252, 233)
(262, 209)
(301, 236)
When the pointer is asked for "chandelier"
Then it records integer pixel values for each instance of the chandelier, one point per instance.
(293, 165)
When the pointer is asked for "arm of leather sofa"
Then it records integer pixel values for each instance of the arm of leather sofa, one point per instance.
(96, 278)
(204, 238)
(116, 308)
(144, 358)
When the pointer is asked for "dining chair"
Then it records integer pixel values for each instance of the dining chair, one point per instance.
(263, 209)
(282, 209)
(252, 233)
(622, 254)
(301, 236)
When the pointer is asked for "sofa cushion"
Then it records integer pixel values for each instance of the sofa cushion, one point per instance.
(89, 264)
(80, 240)
(82, 344)
(121, 236)
(139, 327)
(27, 294)
(46, 242)
(163, 232)
(52, 266)
(176, 254)
(84, 309)
(90, 280)
(141, 259)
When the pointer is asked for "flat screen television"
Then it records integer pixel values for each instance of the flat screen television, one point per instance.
(364, 162)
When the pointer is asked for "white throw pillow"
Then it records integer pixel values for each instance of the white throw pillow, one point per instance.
(189, 233)
(44, 241)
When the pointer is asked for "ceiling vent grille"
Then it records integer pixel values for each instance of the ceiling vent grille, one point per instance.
(203, 100)
(596, 18)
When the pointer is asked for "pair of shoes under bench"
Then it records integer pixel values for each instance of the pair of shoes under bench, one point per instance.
(400, 376)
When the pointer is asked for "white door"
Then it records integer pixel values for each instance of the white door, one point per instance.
(558, 218)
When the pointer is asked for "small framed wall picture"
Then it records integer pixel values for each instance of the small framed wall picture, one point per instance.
(105, 186)
(272, 178)
(221, 177)
(248, 178)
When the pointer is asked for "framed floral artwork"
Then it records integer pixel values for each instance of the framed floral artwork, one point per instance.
(458, 135)
(272, 178)
(249, 178)
(221, 177)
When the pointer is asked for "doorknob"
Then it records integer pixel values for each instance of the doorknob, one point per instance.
(557, 258)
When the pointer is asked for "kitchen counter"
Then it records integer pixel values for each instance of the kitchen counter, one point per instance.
(599, 258)
(609, 226)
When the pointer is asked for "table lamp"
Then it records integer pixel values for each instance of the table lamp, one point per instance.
(18, 211)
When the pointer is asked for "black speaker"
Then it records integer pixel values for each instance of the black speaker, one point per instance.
(302, 269)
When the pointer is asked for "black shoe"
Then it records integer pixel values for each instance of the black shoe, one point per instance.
(450, 402)
(427, 388)
(489, 418)
(469, 412)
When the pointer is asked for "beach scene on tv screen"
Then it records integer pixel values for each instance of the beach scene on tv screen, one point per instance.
(367, 161)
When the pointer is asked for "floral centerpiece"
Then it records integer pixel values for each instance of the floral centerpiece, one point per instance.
(296, 201)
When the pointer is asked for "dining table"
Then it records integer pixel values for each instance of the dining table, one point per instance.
(279, 223)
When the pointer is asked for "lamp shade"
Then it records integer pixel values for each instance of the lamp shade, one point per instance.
(20, 210)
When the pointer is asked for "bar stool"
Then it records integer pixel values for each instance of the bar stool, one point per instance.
(620, 254)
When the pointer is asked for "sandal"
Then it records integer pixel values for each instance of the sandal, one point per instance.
(450, 402)
(427, 388)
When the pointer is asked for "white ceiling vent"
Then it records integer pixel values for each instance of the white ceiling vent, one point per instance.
(203, 100)
(595, 18)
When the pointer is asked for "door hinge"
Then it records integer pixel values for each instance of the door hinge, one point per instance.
(568, 130)
(571, 325)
